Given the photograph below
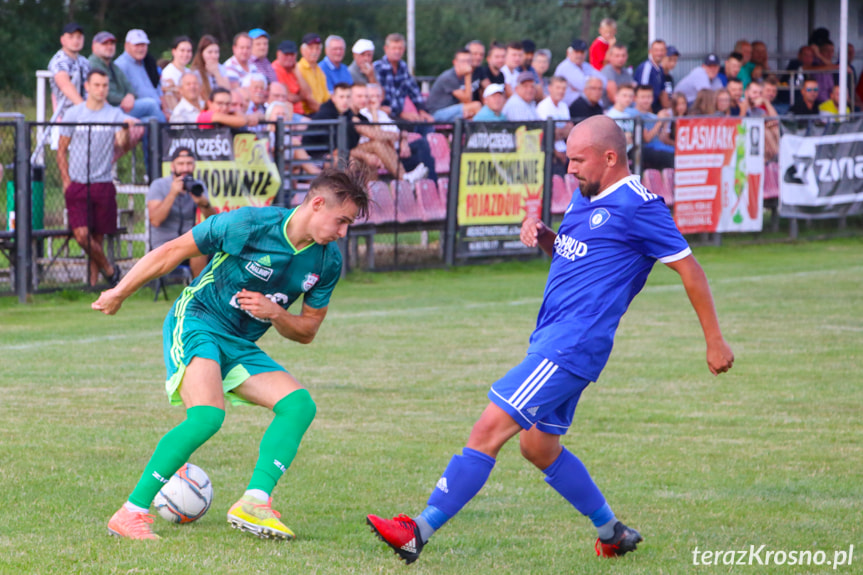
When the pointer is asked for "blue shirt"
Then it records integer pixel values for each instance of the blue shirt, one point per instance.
(487, 115)
(604, 251)
(137, 76)
(649, 74)
(340, 75)
(398, 85)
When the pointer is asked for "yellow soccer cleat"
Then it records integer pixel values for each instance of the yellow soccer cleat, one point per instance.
(131, 525)
(257, 517)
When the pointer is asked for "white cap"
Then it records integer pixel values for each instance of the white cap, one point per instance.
(492, 89)
(136, 36)
(363, 45)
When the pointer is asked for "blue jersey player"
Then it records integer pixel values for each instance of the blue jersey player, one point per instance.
(609, 239)
(264, 259)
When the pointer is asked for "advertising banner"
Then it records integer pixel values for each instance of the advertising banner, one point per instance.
(822, 176)
(236, 169)
(501, 179)
(719, 175)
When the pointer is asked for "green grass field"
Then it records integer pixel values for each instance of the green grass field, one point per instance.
(767, 454)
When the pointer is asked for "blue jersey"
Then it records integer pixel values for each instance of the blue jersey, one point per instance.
(649, 74)
(603, 253)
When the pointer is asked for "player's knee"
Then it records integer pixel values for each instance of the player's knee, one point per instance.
(207, 420)
(541, 454)
(297, 405)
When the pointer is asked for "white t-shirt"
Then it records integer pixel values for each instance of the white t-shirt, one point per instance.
(382, 118)
(547, 109)
(172, 74)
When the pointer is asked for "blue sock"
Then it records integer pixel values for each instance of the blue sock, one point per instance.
(569, 477)
(461, 481)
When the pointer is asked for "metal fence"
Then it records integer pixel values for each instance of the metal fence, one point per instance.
(413, 223)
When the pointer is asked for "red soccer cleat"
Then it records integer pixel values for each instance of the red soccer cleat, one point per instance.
(622, 542)
(400, 533)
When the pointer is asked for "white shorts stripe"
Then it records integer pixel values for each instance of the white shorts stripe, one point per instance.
(519, 400)
(527, 381)
(536, 388)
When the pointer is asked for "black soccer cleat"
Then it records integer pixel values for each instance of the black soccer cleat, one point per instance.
(624, 540)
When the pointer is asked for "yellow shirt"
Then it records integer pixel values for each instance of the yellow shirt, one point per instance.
(829, 107)
(317, 82)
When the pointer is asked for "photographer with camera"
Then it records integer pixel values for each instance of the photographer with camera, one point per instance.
(172, 202)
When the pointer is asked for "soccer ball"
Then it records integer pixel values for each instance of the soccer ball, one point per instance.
(186, 497)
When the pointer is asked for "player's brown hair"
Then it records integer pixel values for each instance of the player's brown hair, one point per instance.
(348, 184)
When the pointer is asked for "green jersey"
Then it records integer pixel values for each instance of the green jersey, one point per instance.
(252, 251)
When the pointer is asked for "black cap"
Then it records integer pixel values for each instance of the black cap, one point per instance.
(579, 45)
(72, 27)
(528, 45)
(182, 151)
(311, 38)
(672, 51)
(287, 47)
(711, 60)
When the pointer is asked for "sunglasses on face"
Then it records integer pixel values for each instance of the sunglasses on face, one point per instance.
(811, 89)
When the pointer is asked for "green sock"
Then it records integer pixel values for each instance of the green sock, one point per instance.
(279, 445)
(174, 449)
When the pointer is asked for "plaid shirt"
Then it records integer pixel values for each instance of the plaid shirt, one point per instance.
(398, 85)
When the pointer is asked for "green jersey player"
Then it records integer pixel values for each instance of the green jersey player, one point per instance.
(264, 259)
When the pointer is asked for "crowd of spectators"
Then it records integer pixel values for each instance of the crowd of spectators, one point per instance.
(501, 81)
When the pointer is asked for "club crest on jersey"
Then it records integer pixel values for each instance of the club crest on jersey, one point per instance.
(598, 217)
(259, 271)
(310, 281)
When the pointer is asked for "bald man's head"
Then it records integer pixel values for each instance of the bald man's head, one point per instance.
(596, 149)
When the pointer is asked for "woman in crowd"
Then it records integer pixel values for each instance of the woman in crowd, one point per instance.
(181, 55)
(206, 64)
(723, 102)
(705, 103)
(679, 108)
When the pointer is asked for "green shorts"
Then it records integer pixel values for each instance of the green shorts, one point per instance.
(186, 337)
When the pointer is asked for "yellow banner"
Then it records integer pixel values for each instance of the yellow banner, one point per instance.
(251, 179)
(502, 188)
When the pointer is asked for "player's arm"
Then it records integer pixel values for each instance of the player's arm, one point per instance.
(63, 160)
(534, 233)
(720, 358)
(156, 263)
(301, 328)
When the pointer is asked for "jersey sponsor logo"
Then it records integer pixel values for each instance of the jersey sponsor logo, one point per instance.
(598, 217)
(278, 298)
(441, 484)
(310, 281)
(569, 248)
(259, 271)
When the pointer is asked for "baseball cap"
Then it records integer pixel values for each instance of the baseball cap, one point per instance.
(525, 77)
(103, 37)
(257, 33)
(72, 27)
(363, 45)
(311, 38)
(287, 47)
(492, 89)
(672, 51)
(578, 45)
(182, 151)
(711, 60)
(137, 36)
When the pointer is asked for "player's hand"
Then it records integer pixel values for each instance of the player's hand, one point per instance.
(109, 302)
(531, 229)
(720, 358)
(258, 304)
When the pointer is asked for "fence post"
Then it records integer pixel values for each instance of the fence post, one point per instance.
(23, 209)
(342, 142)
(452, 194)
(637, 141)
(547, 187)
(154, 169)
(279, 151)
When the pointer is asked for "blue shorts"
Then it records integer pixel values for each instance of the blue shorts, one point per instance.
(539, 392)
(186, 337)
